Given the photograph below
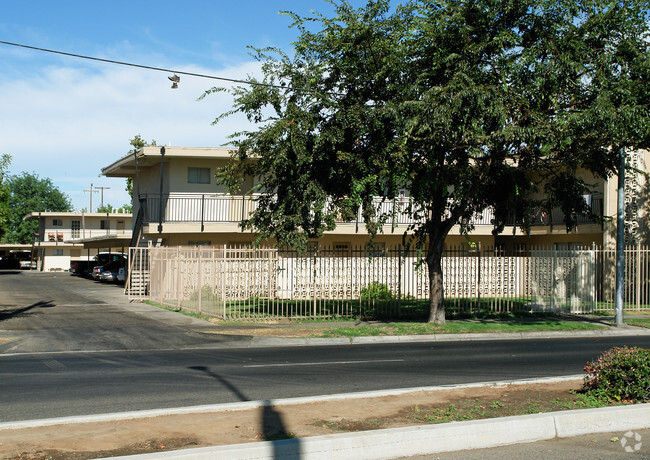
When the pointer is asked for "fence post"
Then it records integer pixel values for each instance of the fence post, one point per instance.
(313, 282)
(478, 285)
(200, 278)
(553, 278)
(399, 281)
(178, 277)
(223, 279)
(202, 211)
(594, 276)
(637, 266)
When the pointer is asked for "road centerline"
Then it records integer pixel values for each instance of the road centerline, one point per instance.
(324, 363)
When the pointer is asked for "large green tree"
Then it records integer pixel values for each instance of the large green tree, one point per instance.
(137, 143)
(30, 193)
(466, 104)
(5, 160)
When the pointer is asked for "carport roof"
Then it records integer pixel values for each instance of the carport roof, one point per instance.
(104, 241)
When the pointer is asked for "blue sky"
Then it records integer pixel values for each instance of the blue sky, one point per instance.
(66, 118)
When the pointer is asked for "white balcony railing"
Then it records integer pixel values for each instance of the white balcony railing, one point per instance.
(69, 235)
(208, 208)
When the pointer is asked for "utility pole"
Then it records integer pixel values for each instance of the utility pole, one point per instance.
(102, 194)
(620, 240)
(91, 191)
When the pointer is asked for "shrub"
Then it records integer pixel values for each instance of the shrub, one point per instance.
(207, 294)
(376, 291)
(620, 374)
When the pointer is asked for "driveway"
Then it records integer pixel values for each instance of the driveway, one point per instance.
(53, 312)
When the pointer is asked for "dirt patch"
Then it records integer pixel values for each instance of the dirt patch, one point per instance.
(127, 437)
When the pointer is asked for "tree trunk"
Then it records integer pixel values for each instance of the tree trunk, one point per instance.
(436, 288)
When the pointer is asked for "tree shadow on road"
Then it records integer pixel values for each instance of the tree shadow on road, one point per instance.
(273, 426)
(9, 312)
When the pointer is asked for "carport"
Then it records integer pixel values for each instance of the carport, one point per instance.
(107, 242)
(104, 243)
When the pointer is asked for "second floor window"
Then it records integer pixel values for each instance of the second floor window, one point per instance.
(57, 223)
(104, 224)
(76, 227)
(198, 175)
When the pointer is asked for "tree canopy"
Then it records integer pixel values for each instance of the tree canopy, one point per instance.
(137, 143)
(5, 160)
(30, 193)
(108, 208)
(465, 104)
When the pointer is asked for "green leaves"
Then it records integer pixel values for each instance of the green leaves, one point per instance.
(463, 104)
(29, 193)
(619, 374)
(5, 161)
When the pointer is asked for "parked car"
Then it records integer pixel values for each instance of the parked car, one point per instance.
(96, 274)
(25, 259)
(121, 274)
(86, 267)
(110, 270)
(10, 263)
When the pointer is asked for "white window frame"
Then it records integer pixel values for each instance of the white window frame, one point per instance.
(198, 175)
(75, 226)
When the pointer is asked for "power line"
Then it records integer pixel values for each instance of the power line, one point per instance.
(160, 69)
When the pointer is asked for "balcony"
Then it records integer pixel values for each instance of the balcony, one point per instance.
(233, 209)
(71, 235)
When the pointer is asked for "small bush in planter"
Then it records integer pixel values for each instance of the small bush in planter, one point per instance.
(620, 374)
(376, 291)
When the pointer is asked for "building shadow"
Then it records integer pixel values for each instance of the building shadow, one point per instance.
(274, 430)
(23, 311)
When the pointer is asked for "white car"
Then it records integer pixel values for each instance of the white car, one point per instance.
(27, 264)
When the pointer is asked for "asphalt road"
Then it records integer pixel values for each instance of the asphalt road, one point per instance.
(42, 312)
(108, 357)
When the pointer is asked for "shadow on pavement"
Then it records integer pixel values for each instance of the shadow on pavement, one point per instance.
(273, 426)
(17, 312)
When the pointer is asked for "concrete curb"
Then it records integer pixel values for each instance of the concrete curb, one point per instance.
(429, 439)
(257, 341)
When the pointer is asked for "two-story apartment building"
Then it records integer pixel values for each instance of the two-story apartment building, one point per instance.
(178, 202)
(61, 235)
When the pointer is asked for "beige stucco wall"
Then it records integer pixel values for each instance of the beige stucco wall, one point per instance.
(90, 224)
(175, 181)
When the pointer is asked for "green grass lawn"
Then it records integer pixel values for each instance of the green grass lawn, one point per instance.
(639, 322)
(459, 327)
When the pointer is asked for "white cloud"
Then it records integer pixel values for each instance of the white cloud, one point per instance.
(66, 123)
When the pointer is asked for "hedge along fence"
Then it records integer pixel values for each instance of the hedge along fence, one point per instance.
(243, 283)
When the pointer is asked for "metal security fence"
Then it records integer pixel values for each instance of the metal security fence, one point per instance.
(244, 283)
